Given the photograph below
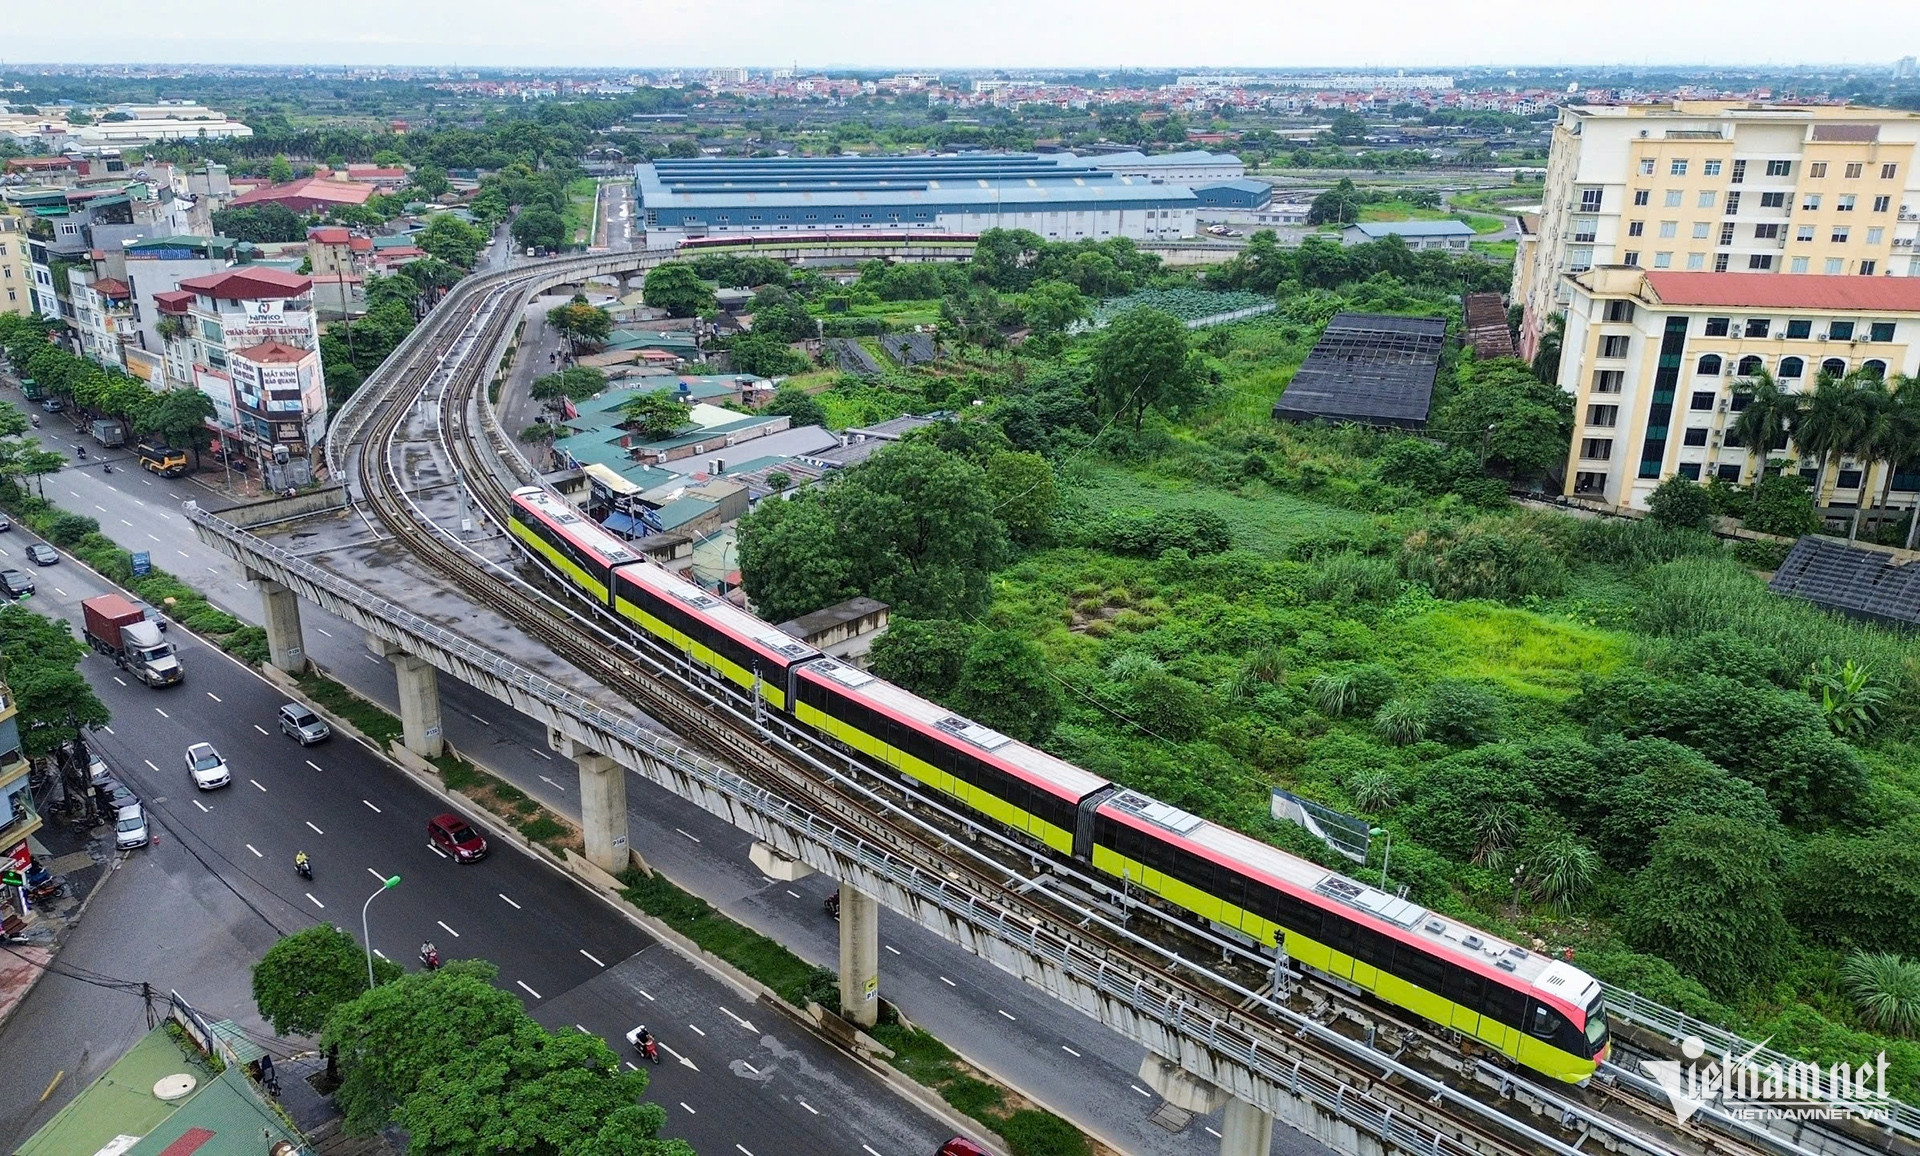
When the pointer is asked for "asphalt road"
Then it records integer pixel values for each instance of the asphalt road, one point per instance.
(575, 961)
(1052, 1053)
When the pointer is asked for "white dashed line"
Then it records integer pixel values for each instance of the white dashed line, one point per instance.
(60, 592)
(450, 931)
(696, 1029)
(126, 523)
(541, 753)
(632, 1067)
(1141, 1090)
(1069, 1051)
(892, 948)
(212, 570)
(948, 982)
(807, 1106)
(150, 537)
(256, 782)
(478, 719)
(316, 902)
(255, 850)
(213, 696)
(150, 766)
(1009, 1015)
(792, 892)
(551, 783)
(645, 992)
(510, 903)
(1214, 1134)
(436, 850)
(690, 1111)
(583, 951)
(376, 662)
(869, 1148)
(380, 953)
(324, 631)
(755, 1071)
(371, 807)
(695, 838)
(525, 988)
(99, 507)
(258, 727)
(163, 714)
(108, 729)
(316, 830)
(376, 875)
(314, 765)
(119, 680)
(583, 1030)
(183, 553)
(742, 1147)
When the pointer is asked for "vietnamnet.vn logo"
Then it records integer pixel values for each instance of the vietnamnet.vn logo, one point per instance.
(1745, 1088)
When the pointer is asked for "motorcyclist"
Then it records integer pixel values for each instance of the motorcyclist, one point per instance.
(643, 1041)
(430, 956)
(302, 864)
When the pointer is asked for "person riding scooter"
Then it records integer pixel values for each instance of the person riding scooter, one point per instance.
(303, 865)
(429, 957)
(643, 1041)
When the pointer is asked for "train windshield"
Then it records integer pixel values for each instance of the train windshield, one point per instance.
(1596, 1023)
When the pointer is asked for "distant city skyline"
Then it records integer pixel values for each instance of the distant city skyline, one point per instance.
(979, 34)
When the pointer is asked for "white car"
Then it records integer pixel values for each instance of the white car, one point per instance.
(206, 766)
(130, 827)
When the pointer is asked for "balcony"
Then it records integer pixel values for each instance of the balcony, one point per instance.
(25, 822)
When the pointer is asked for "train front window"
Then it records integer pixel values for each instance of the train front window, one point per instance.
(1596, 1023)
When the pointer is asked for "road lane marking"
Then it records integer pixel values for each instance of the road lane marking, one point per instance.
(324, 631)
(450, 931)
(314, 765)
(183, 553)
(380, 953)
(690, 1111)
(212, 570)
(792, 892)
(583, 1030)
(1214, 1134)
(583, 951)
(528, 990)
(541, 753)
(258, 727)
(1141, 1090)
(948, 982)
(99, 507)
(736, 1019)
(371, 658)
(316, 902)
(256, 782)
(106, 728)
(478, 719)
(371, 807)
(316, 830)
(1009, 1015)
(150, 537)
(551, 783)
(436, 850)
(60, 592)
(255, 850)
(1069, 1051)
(163, 714)
(697, 1029)
(869, 1148)
(52, 1084)
(807, 1106)
(203, 806)
(755, 1071)
(126, 523)
(145, 482)
(695, 838)
(516, 907)
(632, 1067)
(213, 696)
(892, 948)
(645, 992)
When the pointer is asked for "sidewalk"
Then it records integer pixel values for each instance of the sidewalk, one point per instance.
(82, 860)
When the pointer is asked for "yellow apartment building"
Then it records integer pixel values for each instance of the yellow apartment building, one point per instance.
(16, 270)
(1721, 187)
(1655, 361)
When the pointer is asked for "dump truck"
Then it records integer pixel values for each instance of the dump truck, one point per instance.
(161, 459)
(110, 432)
(117, 628)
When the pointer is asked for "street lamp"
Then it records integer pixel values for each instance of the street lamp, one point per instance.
(1384, 856)
(388, 884)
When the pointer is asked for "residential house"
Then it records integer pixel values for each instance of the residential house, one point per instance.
(18, 819)
(16, 270)
(311, 195)
(235, 313)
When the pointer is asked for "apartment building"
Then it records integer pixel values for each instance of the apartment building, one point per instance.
(103, 318)
(1655, 362)
(249, 327)
(18, 819)
(16, 268)
(1715, 186)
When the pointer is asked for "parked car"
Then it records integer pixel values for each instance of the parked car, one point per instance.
(300, 724)
(41, 554)
(18, 583)
(53, 405)
(5, 525)
(960, 1146)
(97, 771)
(206, 767)
(455, 838)
(115, 794)
(130, 827)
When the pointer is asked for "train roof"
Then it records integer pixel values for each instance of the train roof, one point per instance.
(1408, 922)
(1056, 776)
(720, 614)
(564, 518)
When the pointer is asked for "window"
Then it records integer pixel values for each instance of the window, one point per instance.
(1767, 232)
(1631, 258)
(1607, 380)
(1586, 229)
(1799, 265)
(1646, 166)
(1739, 401)
(1702, 230)
(1663, 260)
(1619, 311)
(1669, 228)
(1730, 474)
(1779, 168)
(1880, 331)
(1603, 415)
(1810, 202)
(1614, 345)
(1702, 399)
(1800, 329)
(1739, 172)
(1696, 260)
(1642, 196)
(1834, 367)
(1836, 266)
(1717, 326)
(1677, 168)
(1854, 169)
(1635, 228)
(1803, 233)
(1710, 168)
(1690, 471)
(1749, 365)
(1719, 262)
(1817, 169)
(1726, 232)
(1882, 203)
(1709, 365)
(1757, 327)
(1844, 203)
(1588, 482)
(1876, 235)
(1733, 203)
(1867, 268)
(1840, 234)
(1579, 258)
(1673, 198)
(1597, 449)
(1590, 200)
(1694, 437)
(1840, 331)
(1888, 170)
(1773, 200)
(1707, 199)
(1874, 368)
(1792, 367)
(1849, 480)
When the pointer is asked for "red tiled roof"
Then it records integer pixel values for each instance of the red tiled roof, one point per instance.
(249, 283)
(176, 301)
(329, 234)
(359, 244)
(311, 189)
(108, 287)
(272, 351)
(1787, 291)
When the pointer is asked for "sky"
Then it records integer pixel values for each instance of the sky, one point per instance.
(1006, 34)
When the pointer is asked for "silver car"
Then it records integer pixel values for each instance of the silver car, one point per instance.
(301, 725)
(130, 827)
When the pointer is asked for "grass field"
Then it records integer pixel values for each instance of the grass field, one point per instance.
(579, 214)
(1404, 211)
(899, 313)
(1496, 250)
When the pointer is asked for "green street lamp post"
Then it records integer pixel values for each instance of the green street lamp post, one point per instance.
(386, 885)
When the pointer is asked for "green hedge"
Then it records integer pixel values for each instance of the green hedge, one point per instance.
(367, 718)
(1028, 1131)
(797, 981)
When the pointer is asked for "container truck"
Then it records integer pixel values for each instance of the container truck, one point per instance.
(110, 432)
(119, 629)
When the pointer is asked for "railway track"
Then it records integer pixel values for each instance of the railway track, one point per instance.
(432, 407)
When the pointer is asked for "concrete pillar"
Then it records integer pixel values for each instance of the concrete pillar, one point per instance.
(280, 610)
(603, 810)
(1245, 1131)
(859, 956)
(774, 865)
(1179, 1087)
(419, 686)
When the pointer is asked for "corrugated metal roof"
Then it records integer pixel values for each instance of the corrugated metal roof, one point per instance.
(1787, 291)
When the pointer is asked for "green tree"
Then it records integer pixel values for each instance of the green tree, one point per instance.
(1053, 306)
(41, 656)
(578, 321)
(1521, 424)
(1347, 128)
(1004, 684)
(1681, 503)
(1709, 900)
(1892, 438)
(539, 227)
(1782, 504)
(1767, 420)
(765, 356)
(452, 240)
(1860, 890)
(1339, 205)
(1835, 421)
(430, 179)
(676, 288)
(179, 417)
(791, 560)
(799, 406)
(1143, 361)
(923, 656)
(262, 224)
(1024, 495)
(656, 414)
(303, 977)
(578, 382)
(279, 170)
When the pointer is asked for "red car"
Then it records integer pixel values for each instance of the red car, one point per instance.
(961, 1146)
(455, 838)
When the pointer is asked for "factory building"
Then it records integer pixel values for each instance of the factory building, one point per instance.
(1059, 197)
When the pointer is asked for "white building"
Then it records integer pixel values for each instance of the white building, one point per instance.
(234, 315)
(1191, 167)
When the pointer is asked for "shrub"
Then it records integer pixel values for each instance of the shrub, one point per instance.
(1374, 789)
(1168, 705)
(69, 529)
(1783, 505)
(1886, 990)
(1709, 900)
(1402, 722)
(1030, 1132)
(1761, 555)
(1682, 504)
(1464, 713)
(1349, 578)
(1494, 561)
(1562, 868)
(1658, 980)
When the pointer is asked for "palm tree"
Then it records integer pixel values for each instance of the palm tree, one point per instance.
(1893, 437)
(1769, 418)
(1834, 421)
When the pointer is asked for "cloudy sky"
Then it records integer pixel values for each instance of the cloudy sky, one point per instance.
(965, 33)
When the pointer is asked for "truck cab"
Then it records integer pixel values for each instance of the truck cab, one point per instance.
(161, 459)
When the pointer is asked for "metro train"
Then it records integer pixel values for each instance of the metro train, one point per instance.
(1541, 1012)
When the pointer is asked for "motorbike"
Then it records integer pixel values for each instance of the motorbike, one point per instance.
(106, 467)
(831, 905)
(304, 866)
(429, 957)
(644, 1043)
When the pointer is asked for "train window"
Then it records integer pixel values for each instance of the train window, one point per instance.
(1544, 1022)
(1423, 969)
(1466, 988)
(1505, 1004)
